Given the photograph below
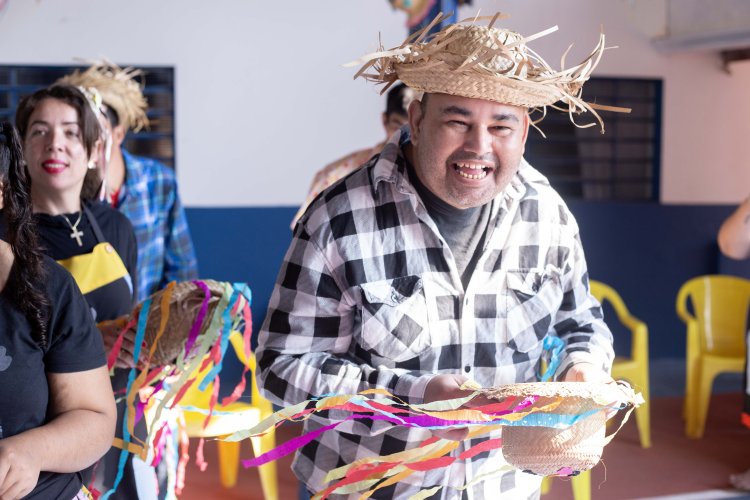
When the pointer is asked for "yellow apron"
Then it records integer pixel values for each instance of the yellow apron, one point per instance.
(99, 268)
(96, 269)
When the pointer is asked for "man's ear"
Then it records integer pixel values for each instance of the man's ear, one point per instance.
(415, 120)
(118, 135)
(526, 124)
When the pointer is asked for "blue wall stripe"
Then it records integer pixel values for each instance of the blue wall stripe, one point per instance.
(242, 244)
(644, 250)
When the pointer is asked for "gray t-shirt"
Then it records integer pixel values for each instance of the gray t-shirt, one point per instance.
(464, 229)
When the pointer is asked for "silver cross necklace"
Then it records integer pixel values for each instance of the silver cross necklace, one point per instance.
(74, 231)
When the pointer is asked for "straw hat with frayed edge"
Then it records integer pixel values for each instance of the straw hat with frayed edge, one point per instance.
(484, 62)
(184, 305)
(564, 450)
(120, 89)
(185, 302)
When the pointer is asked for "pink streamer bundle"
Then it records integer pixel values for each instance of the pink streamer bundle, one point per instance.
(162, 387)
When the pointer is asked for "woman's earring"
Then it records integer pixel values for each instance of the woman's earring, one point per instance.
(92, 165)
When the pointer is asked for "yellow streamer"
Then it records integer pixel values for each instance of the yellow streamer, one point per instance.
(422, 494)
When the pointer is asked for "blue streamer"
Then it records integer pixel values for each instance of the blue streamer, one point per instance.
(553, 420)
(226, 330)
(140, 333)
(242, 288)
(555, 345)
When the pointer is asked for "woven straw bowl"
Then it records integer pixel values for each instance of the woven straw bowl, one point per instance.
(548, 451)
(184, 306)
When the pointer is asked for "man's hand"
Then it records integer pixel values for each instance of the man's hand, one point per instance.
(441, 388)
(588, 372)
(19, 471)
(110, 330)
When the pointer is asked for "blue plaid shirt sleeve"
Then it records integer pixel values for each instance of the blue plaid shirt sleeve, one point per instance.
(151, 201)
(180, 263)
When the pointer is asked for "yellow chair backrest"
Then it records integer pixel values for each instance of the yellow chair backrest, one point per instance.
(639, 342)
(719, 312)
(633, 368)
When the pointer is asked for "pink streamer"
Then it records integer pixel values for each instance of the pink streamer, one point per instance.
(412, 421)
(118, 344)
(286, 448)
(240, 387)
(195, 330)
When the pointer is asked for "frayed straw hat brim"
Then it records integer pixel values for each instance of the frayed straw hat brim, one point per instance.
(185, 301)
(121, 89)
(486, 63)
(440, 79)
(594, 394)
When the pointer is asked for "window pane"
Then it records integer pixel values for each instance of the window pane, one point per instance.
(583, 162)
(157, 142)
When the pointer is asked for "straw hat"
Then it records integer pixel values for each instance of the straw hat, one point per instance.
(120, 89)
(184, 306)
(485, 62)
(562, 450)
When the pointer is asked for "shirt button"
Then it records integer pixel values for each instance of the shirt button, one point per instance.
(467, 368)
(109, 248)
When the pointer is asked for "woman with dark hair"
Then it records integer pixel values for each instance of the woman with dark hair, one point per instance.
(57, 413)
(60, 132)
(61, 136)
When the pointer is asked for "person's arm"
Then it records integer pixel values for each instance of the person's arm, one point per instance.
(81, 411)
(80, 430)
(180, 263)
(306, 336)
(130, 259)
(734, 234)
(579, 322)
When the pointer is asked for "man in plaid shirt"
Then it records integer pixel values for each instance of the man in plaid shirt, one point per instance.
(446, 257)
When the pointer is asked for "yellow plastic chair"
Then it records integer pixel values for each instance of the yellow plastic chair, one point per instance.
(716, 328)
(634, 369)
(240, 416)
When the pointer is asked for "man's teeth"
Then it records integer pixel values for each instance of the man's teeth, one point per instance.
(479, 171)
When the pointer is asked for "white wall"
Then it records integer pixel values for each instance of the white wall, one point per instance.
(262, 100)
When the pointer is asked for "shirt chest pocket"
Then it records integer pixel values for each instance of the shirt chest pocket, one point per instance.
(394, 319)
(532, 298)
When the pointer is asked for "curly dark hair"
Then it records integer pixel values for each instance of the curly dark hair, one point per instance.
(27, 282)
(88, 122)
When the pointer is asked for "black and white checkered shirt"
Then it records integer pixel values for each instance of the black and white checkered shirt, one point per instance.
(369, 296)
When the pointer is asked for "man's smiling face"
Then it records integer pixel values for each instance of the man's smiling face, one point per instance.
(466, 151)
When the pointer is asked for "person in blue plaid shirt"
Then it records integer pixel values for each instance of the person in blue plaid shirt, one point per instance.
(445, 258)
(143, 189)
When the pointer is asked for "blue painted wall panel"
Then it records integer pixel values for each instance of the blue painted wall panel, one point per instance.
(242, 244)
(644, 250)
